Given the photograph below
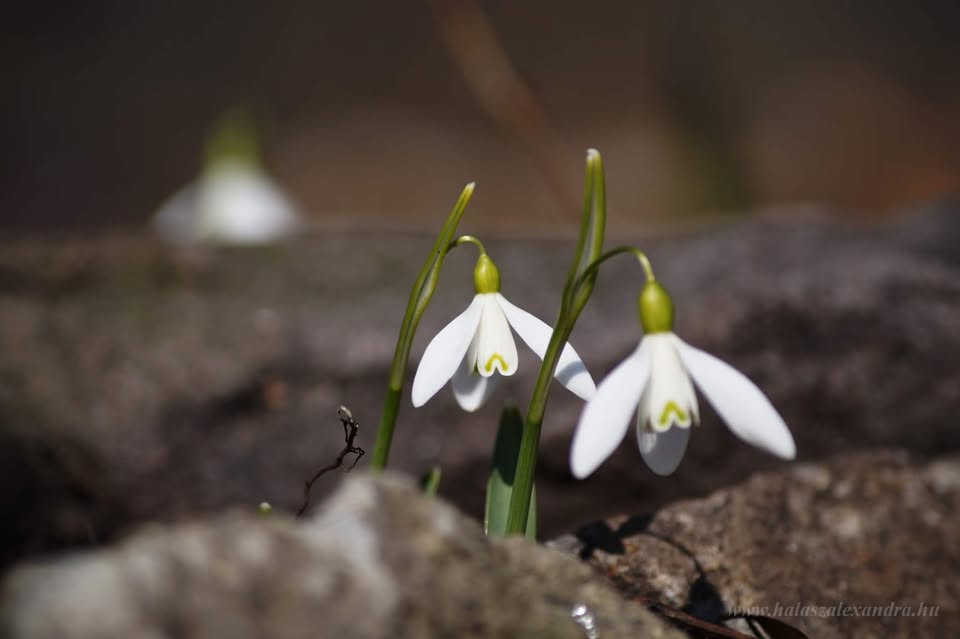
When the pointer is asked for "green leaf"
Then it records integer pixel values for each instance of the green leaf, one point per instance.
(593, 223)
(576, 292)
(426, 281)
(420, 295)
(531, 531)
(431, 481)
(503, 470)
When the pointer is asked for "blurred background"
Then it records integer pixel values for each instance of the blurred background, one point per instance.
(141, 383)
(374, 114)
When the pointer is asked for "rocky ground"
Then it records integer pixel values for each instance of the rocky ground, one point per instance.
(860, 532)
(139, 384)
(379, 560)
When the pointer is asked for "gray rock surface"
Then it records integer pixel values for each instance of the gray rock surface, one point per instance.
(137, 383)
(379, 560)
(858, 532)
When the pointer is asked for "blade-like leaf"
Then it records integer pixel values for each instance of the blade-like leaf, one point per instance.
(431, 482)
(531, 531)
(593, 223)
(589, 246)
(503, 469)
(420, 295)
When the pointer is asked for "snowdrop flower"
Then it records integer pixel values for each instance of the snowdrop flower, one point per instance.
(478, 343)
(233, 201)
(654, 383)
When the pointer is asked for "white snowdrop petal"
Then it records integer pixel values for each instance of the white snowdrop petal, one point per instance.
(496, 350)
(662, 451)
(445, 352)
(606, 416)
(571, 371)
(471, 389)
(175, 220)
(240, 204)
(743, 406)
(231, 203)
(670, 400)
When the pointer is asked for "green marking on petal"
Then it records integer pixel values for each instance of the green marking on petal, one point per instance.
(672, 409)
(496, 356)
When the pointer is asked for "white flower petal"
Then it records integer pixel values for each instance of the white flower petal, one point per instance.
(571, 371)
(669, 399)
(176, 221)
(662, 451)
(606, 416)
(231, 203)
(470, 359)
(240, 204)
(496, 350)
(471, 389)
(742, 405)
(445, 352)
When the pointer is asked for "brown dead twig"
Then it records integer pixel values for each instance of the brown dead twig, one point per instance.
(350, 430)
(689, 621)
(500, 91)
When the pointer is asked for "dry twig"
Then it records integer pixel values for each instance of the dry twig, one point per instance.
(499, 89)
(350, 430)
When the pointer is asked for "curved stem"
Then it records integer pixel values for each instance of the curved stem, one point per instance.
(464, 239)
(594, 266)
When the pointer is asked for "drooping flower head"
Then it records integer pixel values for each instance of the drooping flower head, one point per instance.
(478, 343)
(654, 382)
(234, 200)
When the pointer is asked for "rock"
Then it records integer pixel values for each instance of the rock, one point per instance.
(830, 548)
(379, 560)
(139, 383)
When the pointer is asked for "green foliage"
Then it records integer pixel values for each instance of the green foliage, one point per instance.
(431, 481)
(420, 294)
(503, 469)
(576, 292)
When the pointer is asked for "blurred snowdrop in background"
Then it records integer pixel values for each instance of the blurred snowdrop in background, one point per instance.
(233, 200)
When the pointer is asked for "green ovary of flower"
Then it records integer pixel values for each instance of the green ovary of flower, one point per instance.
(486, 277)
(655, 308)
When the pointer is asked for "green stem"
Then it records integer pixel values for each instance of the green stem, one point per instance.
(463, 239)
(420, 295)
(594, 266)
(388, 419)
(575, 295)
(530, 440)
